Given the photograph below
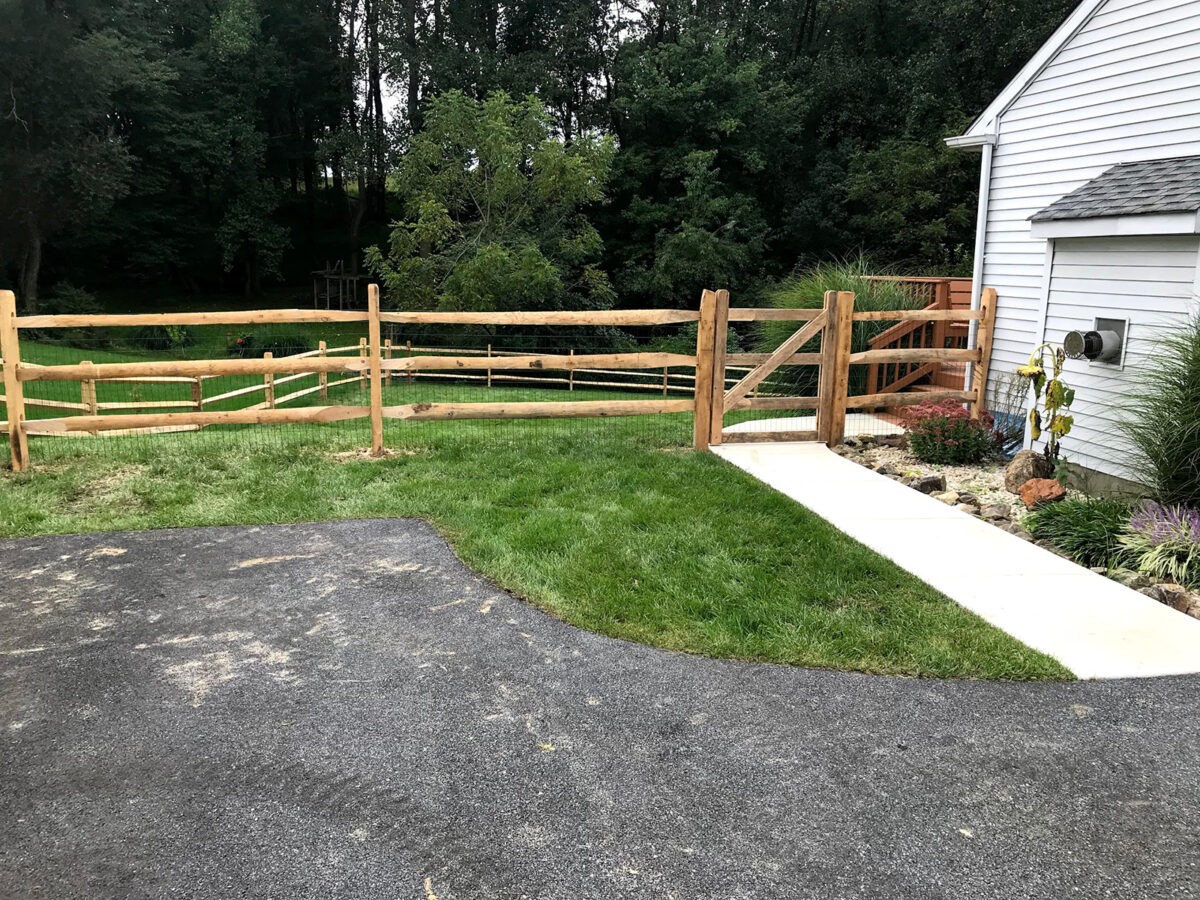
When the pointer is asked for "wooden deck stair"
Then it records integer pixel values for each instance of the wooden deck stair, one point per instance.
(942, 293)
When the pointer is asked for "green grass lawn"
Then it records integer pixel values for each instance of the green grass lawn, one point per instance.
(613, 526)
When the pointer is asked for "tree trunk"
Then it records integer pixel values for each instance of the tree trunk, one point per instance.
(30, 266)
(374, 120)
(414, 67)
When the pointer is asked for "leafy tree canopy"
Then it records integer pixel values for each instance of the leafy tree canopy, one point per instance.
(494, 211)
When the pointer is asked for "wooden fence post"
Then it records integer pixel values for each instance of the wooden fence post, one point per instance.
(571, 373)
(376, 371)
(363, 354)
(408, 372)
(705, 335)
(14, 393)
(198, 394)
(983, 341)
(387, 354)
(87, 394)
(720, 339)
(825, 377)
(841, 367)
(269, 384)
(489, 371)
(323, 377)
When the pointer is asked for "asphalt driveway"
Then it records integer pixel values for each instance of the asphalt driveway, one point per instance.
(345, 710)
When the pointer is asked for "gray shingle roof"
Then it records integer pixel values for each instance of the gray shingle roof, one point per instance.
(1130, 189)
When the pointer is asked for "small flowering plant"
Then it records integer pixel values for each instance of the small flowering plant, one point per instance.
(945, 433)
(1164, 542)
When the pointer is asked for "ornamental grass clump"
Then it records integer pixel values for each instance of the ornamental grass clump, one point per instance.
(1162, 419)
(945, 433)
(1164, 542)
(1090, 529)
(807, 291)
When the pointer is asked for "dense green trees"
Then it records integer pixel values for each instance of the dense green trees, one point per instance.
(493, 220)
(213, 144)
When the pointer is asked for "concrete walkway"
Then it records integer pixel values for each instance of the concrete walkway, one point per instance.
(1094, 626)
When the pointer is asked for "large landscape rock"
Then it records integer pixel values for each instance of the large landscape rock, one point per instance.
(927, 484)
(997, 511)
(1025, 465)
(1135, 580)
(1039, 492)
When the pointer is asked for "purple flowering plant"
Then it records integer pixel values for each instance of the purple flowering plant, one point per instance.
(1164, 541)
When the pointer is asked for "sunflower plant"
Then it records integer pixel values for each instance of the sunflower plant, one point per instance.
(1051, 399)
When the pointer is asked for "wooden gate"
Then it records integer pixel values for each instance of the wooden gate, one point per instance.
(834, 325)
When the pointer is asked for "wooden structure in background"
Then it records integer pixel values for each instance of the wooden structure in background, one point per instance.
(335, 283)
(929, 375)
(371, 364)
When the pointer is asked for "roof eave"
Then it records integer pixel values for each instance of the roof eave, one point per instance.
(971, 141)
(1076, 20)
(1141, 224)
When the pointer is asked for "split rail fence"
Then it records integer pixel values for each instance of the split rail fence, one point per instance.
(711, 396)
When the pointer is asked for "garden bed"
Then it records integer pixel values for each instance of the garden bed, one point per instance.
(979, 490)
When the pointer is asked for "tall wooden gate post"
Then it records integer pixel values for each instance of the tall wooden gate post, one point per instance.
(705, 342)
(983, 341)
(376, 370)
(828, 363)
(834, 383)
(14, 392)
(720, 343)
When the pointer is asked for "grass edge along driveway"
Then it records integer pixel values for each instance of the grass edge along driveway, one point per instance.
(611, 526)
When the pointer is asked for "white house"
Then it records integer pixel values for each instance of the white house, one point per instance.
(1089, 201)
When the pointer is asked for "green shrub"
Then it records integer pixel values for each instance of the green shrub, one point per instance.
(1162, 419)
(162, 337)
(1164, 541)
(1090, 529)
(807, 291)
(945, 433)
(276, 341)
(67, 300)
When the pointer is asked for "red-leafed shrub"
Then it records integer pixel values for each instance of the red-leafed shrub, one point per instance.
(945, 433)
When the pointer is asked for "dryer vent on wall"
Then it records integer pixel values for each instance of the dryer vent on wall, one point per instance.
(1104, 343)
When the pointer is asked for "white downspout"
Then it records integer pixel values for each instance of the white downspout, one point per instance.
(981, 221)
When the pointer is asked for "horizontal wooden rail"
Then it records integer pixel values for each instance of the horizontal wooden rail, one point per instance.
(415, 411)
(871, 401)
(50, 404)
(285, 365)
(147, 404)
(161, 380)
(775, 403)
(757, 359)
(230, 317)
(763, 437)
(557, 361)
(549, 317)
(237, 392)
(571, 409)
(915, 354)
(170, 420)
(918, 315)
(771, 314)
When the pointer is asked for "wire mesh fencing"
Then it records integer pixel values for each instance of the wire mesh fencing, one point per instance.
(268, 380)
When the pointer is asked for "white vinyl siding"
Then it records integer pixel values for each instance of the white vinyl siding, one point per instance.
(1148, 280)
(1125, 87)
